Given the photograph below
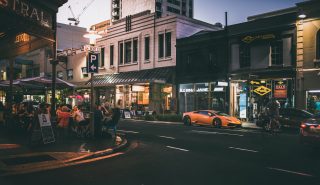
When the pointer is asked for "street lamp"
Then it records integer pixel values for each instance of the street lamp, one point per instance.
(92, 36)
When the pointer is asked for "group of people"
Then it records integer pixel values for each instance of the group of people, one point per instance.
(73, 119)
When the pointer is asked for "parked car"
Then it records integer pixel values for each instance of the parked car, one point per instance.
(310, 131)
(292, 117)
(210, 117)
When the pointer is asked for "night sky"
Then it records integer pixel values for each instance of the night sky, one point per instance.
(210, 11)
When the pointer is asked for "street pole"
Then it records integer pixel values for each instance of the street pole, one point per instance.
(92, 105)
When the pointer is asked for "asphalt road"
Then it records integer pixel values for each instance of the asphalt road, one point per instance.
(163, 154)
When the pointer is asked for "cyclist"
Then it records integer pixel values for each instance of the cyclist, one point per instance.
(273, 114)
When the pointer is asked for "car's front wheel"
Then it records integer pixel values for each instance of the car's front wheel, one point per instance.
(216, 123)
(187, 121)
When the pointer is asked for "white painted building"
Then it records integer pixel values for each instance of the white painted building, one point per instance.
(138, 60)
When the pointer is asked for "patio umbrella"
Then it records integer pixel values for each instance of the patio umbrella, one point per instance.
(46, 82)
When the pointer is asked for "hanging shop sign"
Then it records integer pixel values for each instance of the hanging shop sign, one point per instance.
(280, 89)
(262, 90)
(23, 37)
(28, 10)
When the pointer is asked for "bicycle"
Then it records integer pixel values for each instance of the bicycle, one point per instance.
(272, 126)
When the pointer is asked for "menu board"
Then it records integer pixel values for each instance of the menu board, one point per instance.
(46, 128)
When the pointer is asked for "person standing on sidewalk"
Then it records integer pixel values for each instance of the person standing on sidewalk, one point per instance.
(98, 116)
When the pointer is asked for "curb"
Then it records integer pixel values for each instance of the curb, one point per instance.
(104, 152)
(69, 162)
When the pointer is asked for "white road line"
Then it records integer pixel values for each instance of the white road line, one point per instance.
(185, 150)
(243, 149)
(167, 137)
(218, 133)
(129, 131)
(288, 171)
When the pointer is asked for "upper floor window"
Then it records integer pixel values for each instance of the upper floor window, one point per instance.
(111, 55)
(102, 57)
(164, 45)
(318, 45)
(60, 75)
(276, 53)
(121, 53)
(146, 48)
(135, 50)
(128, 51)
(245, 56)
(69, 74)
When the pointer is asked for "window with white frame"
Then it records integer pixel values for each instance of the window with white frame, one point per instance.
(128, 51)
(60, 75)
(147, 48)
(276, 53)
(164, 45)
(84, 71)
(69, 74)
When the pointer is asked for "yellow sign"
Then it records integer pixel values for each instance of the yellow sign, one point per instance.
(254, 82)
(262, 90)
(248, 39)
(280, 82)
(22, 38)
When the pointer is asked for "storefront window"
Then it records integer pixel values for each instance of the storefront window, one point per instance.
(313, 101)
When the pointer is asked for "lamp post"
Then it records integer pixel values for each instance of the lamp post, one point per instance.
(92, 36)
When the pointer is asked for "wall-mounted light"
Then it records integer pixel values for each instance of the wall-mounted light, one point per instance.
(301, 14)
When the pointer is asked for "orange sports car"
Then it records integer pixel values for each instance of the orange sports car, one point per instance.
(210, 117)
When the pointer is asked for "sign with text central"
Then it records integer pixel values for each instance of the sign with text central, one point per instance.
(93, 63)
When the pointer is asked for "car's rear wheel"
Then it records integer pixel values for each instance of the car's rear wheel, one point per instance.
(187, 121)
(217, 123)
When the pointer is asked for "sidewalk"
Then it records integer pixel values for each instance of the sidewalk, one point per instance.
(17, 157)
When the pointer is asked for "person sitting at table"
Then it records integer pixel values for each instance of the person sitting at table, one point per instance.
(81, 122)
(63, 121)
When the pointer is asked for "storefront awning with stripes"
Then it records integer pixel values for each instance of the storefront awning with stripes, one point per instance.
(158, 75)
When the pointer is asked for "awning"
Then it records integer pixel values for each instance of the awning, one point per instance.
(39, 83)
(158, 75)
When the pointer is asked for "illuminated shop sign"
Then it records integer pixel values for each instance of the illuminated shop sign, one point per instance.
(22, 37)
(138, 88)
(280, 89)
(262, 90)
(28, 10)
(250, 38)
(222, 84)
(201, 87)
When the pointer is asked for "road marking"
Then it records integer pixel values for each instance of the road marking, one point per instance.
(167, 137)
(129, 131)
(288, 171)
(219, 133)
(185, 150)
(243, 149)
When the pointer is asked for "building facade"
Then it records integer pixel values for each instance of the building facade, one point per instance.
(138, 61)
(262, 62)
(27, 34)
(122, 8)
(202, 70)
(308, 56)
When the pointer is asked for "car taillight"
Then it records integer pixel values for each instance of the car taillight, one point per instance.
(303, 125)
(311, 126)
